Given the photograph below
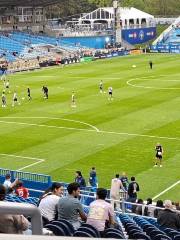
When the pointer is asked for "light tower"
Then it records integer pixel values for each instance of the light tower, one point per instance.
(117, 25)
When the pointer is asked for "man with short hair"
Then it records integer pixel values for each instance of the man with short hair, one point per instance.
(70, 208)
(116, 185)
(100, 211)
(168, 217)
(8, 184)
(133, 188)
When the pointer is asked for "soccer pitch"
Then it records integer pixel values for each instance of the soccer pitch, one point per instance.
(51, 137)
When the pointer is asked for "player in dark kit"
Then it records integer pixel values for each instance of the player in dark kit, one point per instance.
(110, 91)
(3, 99)
(45, 91)
(29, 93)
(159, 153)
(150, 64)
(101, 86)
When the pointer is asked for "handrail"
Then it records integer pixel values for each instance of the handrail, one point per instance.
(25, 209)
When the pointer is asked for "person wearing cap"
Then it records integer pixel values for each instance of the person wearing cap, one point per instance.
(168, 217)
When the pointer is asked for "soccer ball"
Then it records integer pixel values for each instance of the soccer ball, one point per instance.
(133, 66)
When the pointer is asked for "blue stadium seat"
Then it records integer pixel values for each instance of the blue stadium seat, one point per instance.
(62, 225)
(112, 234)
(70, 226)
(88, 230)
(82, 234)
(154, 233)
(90, 226)
(161, 237)
(141, 236)
(177, 237)
(58, 231)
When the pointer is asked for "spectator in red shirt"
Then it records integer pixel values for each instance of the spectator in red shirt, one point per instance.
(21, 191)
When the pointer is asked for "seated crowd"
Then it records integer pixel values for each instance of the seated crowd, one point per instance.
(55, 205)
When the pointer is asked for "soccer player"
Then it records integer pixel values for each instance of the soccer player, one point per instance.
(110, 90)
(15, 99)
(101, 86)
(159, 153)
(29, 93)
(3, 99)
(4, 72)
(150, 64)
(45, 91)
(73, 100)
(7, 85)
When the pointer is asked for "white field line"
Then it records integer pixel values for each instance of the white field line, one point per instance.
(95, 78)
(148, 87)
(92, 130)
(54, 118)
(166, 190)
(38, 160)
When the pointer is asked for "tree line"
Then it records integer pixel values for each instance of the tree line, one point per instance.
(72, 8)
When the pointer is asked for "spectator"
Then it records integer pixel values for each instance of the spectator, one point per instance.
(116, 185)
(177, 206)
(124, 180)
(80, 180)
(93, 177)
(158, 204)
(49, 201)
(139, 209)
(21, 191)
(8, 184)
(100, 211)
(168, 217)
(70, 208)
(149, 210)
(133, 188)
(11, 224)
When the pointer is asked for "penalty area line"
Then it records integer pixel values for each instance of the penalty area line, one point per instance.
(166, 190)
(38, 160)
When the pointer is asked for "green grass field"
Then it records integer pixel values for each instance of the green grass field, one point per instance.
(114, 136)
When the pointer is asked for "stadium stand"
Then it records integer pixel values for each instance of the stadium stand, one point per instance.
(130, 226)
(169, 40)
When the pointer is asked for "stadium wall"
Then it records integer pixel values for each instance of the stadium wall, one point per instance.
(166, 48)
(132, 36)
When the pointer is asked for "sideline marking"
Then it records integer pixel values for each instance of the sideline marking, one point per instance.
(166, 190)
(39, 160)
(92, 130)
(54, 118)
(148, 87)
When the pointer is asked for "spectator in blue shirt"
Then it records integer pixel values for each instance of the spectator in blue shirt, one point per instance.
(93, 177)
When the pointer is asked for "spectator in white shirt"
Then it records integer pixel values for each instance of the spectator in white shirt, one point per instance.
(116, 185)
(8, 184)
(49, 201)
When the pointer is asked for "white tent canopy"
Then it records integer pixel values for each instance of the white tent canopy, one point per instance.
(128, 16)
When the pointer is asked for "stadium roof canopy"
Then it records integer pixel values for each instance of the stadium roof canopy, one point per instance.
(23, 3)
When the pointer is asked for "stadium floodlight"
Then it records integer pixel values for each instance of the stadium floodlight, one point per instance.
(117, 25)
